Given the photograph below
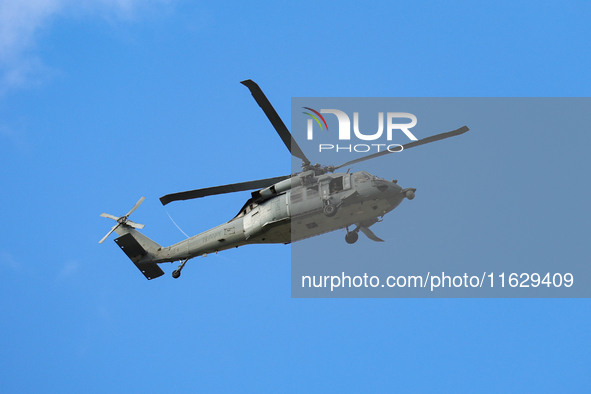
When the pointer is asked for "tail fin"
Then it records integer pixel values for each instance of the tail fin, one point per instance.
(139, 249)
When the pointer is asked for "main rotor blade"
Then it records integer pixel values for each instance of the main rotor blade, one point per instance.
(424, 141)
(276, 121)
(137, 204)
(231, 188)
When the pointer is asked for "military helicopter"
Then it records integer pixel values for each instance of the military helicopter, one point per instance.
(282, 209)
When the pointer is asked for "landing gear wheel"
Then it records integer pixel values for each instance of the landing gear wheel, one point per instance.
(351, 238)
(177, 272)
(330, 210)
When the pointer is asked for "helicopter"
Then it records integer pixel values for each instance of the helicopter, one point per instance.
(282, 209)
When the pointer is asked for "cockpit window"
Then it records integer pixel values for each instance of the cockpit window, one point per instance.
(360, 177)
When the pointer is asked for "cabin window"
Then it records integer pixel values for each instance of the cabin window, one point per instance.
(297, 195)
(336, 185)
(312, 192)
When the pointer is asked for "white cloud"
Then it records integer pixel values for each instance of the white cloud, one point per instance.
(21, 21)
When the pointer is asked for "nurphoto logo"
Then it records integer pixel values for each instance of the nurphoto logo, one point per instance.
(345, 130)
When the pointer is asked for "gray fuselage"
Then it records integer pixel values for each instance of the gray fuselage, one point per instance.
(359, 199)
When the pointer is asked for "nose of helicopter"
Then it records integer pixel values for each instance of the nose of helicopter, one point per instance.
(394, 193)
(394, 189)
(391, 188)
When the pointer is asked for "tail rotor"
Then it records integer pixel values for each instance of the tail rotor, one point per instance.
(123, 220)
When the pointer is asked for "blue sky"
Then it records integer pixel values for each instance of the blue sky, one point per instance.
(102, 102)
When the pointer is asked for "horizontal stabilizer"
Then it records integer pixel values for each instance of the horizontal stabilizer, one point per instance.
(131, 247)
